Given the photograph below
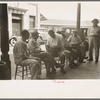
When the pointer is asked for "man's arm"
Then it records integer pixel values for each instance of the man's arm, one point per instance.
(62, 33)
(88, 32)
(47, 48)
(69, 38)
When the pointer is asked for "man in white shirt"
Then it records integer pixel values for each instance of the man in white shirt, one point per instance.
(55, 48)
(74, 39)
(76, 43)
(94, 36)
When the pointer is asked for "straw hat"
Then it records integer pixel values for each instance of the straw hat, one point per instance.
(95, 20)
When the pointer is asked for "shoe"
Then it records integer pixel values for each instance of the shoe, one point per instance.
(74, 64)
(53, 70)
(85, 57)
(71, 65)
(90, 60)
(81, 61)
(59, 65)
(63, 71)
(96, 60)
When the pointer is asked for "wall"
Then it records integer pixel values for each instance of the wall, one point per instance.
(27, 10)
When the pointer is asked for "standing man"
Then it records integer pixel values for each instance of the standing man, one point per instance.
(94, 36)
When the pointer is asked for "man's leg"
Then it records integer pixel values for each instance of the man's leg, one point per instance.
(51, 59)
(83, 53)
(34, 67)
(69, 56)
(62, 58)
(39, 62)
(90, 48)
(48, 64)
(96, 46)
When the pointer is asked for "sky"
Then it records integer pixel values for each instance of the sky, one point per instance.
(68, 10)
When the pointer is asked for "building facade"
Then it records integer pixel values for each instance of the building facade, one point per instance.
(22, 16)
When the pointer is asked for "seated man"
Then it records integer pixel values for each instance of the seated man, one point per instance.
(55, 48)
(76, 43)
(67, 46)
(21, 56)
(36, 51)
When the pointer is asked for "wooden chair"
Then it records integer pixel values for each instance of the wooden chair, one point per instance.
(20, 71)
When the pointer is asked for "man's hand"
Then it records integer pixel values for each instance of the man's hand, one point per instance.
(37, 51)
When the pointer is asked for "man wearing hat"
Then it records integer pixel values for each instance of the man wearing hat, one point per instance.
(56, 49)
(75, 42)
(94, 36)
(36, 51)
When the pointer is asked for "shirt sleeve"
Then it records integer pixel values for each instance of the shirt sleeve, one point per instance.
(88, 32)
(31, 46)
(98, 33)
(69, 39)
(48, 42)
(65, 41)
(80, 41)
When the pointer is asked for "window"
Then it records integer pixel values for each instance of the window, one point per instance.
(31, 22)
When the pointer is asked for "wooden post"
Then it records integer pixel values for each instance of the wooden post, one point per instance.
(5, 36)
(78, 17)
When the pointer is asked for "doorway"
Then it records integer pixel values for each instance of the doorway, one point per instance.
(16, 24)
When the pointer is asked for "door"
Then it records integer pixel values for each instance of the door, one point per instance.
(16, 27)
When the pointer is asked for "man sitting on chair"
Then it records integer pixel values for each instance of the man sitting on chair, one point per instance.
(21, 56)
(36, 51)
(76, 43)
(55, 48)
(68, 47)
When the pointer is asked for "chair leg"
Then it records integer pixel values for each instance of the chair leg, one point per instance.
(26, 71)
(22, 72)
(16, 71)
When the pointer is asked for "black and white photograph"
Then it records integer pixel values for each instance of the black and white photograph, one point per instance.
(53, 42)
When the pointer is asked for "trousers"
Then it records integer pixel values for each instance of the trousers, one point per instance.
(33, 65)
(94, 42)
(47, 59)
(62, 54)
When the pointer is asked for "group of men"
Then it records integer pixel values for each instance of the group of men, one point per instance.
(58, 45)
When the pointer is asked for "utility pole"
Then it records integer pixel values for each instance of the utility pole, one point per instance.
(78, 17)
